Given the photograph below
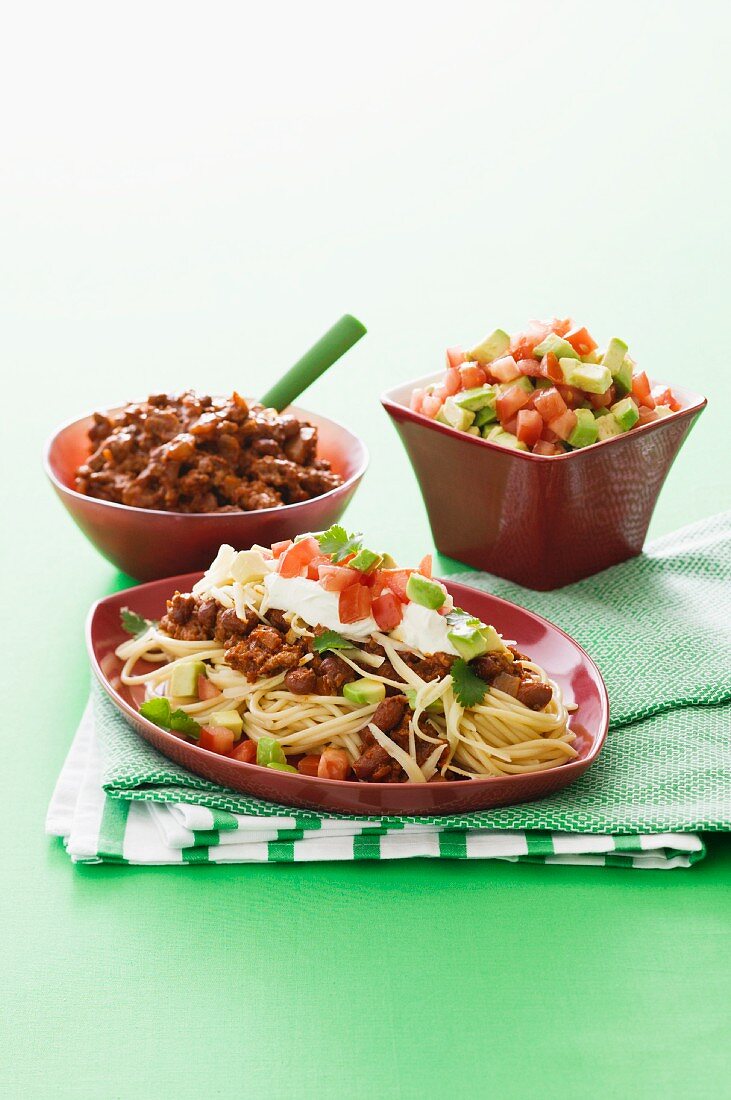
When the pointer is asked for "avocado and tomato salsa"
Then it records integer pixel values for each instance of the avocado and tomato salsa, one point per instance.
(547, 390)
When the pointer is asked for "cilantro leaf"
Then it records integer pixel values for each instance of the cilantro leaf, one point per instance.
(183, 723)
(468, 687)
(133, 623)
(158, 710)
(338, 543)
(330, 639)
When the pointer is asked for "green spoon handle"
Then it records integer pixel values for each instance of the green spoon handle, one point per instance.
(328, 349)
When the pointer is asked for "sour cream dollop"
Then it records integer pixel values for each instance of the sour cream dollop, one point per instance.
(421, 628)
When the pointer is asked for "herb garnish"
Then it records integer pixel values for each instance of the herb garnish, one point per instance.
(133, 623)
(338, 543)
(158, 710)
(330, 639)
(469, 688)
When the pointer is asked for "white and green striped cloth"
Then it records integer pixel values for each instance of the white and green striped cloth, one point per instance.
(658, 628)
(97, 828)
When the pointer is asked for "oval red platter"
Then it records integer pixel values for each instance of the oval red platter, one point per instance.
(562, 657)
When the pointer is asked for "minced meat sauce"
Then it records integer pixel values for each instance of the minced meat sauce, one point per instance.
(259, 649)
(190, 453)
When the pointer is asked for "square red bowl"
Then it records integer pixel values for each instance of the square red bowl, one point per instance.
(542, 521)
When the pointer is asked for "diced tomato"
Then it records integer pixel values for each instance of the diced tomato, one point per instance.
(530, 426)
(354, 603)
(548, 436)
(395, 580)
(216, 738)
(455, 357)
(207, 690)
(430, 405)
(531, 368)
(308, 765)
(551, 368)
(334, 764)
(440, 391)
(278, 548)
(472, 375)
(559, 326)
(425, 566)
(564, 425)
(505, 369)
(641, 390)
(544, 448)
(550, 404)
(417, 396)
(581, 341)
(603, 400)
(647, 415)
(294, 562)
(387, 611)
(572, 395)
(246, 751)
(510, 425)
(663, 395)
(314, 564)
(523, 343)
(452, 382)
(510, 401)
(334, 578)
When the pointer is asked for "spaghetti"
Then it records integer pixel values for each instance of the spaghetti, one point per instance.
(382, 707)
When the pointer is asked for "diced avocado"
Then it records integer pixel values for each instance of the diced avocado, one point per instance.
(474, 431)
(488, 415)
(614, 355)
(480, 397)
(663, 410)
(467, 640)
(523, 383)
(424, 591)
(281, 767)
(607, 425)
(437, 707)
(250, 565)
(594, 357)
(561, 348)
(387, 562)
(497, 343)
(567, 368)
(589, 377)
(625, 413)
(365, 561)
(601, 412)
(364, 692)
(623, 377)
(451, 414)
(231, 719)
(507, 439)
(586, 431)
(184, 679)
(493, 641)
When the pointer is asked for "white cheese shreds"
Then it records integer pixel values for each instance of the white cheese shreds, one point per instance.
(410, 766)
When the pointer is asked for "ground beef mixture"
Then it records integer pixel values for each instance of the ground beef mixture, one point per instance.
(190, 453)
(262, 649)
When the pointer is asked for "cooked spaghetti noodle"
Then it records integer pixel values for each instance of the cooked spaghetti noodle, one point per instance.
(496, 736)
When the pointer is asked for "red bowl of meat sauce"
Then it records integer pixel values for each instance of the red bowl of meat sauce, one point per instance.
(543, 521)
(151, 541)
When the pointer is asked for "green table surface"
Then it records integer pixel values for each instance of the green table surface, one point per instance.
(189, 197)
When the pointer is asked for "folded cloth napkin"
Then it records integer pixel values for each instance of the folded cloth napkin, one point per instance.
(657, 628)
(99, 829)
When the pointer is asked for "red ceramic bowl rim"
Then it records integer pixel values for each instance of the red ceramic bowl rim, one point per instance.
(693, 403)
(579, 765)
(353, 479)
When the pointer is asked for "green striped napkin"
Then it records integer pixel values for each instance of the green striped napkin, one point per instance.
(657, 626)
(99, 829)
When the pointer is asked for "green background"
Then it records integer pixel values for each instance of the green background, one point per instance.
(190, 195)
